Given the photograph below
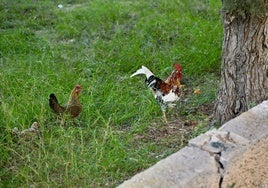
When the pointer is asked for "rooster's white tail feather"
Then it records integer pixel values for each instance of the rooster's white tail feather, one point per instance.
(144, 70)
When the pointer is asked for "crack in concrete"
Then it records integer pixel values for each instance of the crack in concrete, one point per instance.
(219, 145)
(221, 169)
(217, 158)
(227, 137)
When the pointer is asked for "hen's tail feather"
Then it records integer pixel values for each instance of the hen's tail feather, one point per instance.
(54, 104)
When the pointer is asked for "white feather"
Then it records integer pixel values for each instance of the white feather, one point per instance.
(143, 70)
(171, 97)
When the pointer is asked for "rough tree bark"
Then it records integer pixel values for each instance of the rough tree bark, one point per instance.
(244, 76)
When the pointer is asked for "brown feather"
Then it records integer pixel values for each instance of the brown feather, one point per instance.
(54, 104)
(73, 107)
(164, 87)
(175, 77)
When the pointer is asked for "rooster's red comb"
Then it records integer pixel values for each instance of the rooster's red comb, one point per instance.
(177, 67)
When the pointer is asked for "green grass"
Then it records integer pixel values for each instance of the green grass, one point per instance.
(99, 44)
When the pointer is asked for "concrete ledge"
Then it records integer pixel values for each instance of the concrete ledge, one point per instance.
(251, 125)
(207, 155)
(177, 169)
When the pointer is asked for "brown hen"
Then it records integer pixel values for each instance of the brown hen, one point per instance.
(73, 108)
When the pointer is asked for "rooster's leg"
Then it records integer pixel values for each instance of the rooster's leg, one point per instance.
(164, 117)
(163, 108)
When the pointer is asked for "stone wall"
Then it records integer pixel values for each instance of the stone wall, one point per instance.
(204, 162)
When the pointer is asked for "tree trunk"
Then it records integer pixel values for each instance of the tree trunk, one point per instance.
(244, 76)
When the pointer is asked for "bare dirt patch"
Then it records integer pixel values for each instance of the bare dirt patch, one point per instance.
(250, 169)
(179, 129)
(161, 132)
